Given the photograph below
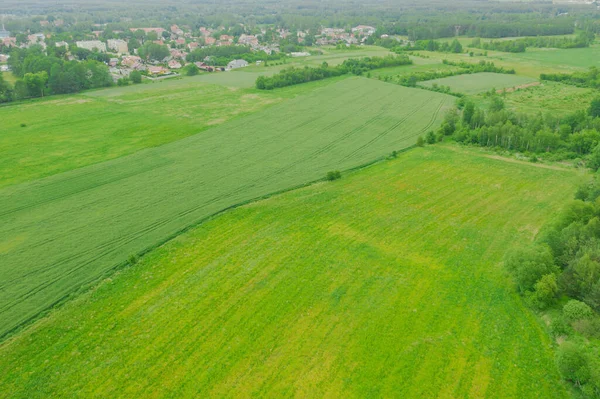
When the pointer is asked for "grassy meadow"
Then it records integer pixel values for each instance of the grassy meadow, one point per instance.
(387, 283)
(62, 232)
(62, 133)
(556, 98)
(567, 59)
(479, 82)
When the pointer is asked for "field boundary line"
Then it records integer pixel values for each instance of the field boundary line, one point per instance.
(90, 285)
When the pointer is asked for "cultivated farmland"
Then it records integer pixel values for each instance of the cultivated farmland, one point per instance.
(479, 82)
(386, 283)
(69, 229)
(69, 132)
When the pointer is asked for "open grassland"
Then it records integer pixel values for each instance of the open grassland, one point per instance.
(555, 98)
(67, 230)
(330, 55)
(568, 59)
(68, 132)
(386, 283)
(523, 67)
(9, 77)
(409, 69)
(479, 82)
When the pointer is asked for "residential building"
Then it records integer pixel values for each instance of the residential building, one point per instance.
(237, 64)
(174, 64)
(131, 60)
(176, 30)
(248, 40)
(91, 45)
(118, 46)
(157, 70)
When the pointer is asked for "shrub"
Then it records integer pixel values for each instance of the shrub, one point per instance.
(333, 175)
(420, 142)
(23, 125)
(132, 260)
(576, 310)
(559, 327)
(546, 290)
(588, 327)
(572, 363)
(529, 265)
(430, 137)
(135, 77)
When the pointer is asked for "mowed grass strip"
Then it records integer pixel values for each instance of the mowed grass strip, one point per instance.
(386, 283)
(67, 230)
(479, 82)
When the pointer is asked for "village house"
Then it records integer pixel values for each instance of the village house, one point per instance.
(226, 38)
(4, 58)
(9, 41)
(237, 64)
(178, 54)
(157, 70)
(61, 44)
(113, 62)
(203, 66)
(209, 40)
(180, 41)
(131, 60)
(176, 30)
(193, 46)
(91, 45)
(118, 46)
(364, 30)
(248, 40)
(173, 64)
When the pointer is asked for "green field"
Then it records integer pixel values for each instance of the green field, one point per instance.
(67, 230)
(387, 283)
(571, 59)
(69, 132)
(555, 98)
(479, 82)
(9, 77)
(408, 69)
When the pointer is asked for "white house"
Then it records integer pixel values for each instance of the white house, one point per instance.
(237, 64)
(91, 45)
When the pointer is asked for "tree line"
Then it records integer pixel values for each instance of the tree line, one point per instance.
(575, 136)
(40, 75)
(559, 273)
(589, 78)
(412, 79)
(293, 76)
(583, 39)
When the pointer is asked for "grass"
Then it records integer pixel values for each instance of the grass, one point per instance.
(523, 67)
(68, 132)
(67, 230)
(9, 77)
(409, 69)
(566, 59)
(386, 283)
(554, 98)
(479, 82)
